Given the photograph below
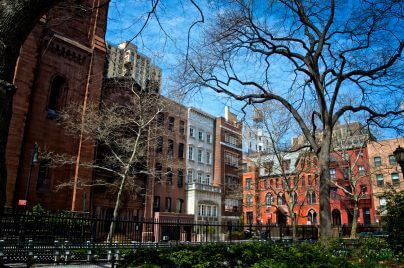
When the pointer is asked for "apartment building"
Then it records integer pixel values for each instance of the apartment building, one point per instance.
(52, 72)
(227, 165)
(125, 60)
(203, 193)
(384, 170)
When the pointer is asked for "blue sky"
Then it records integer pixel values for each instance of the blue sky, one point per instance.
(167, 44)
(125, 19)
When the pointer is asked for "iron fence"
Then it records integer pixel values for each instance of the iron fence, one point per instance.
(46, 227)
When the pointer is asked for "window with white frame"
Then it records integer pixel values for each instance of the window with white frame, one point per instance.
(200, 176)
(395, 179)
(333, 174)
(190, 176)
(361, 171)
(200, 155)
(248, 184)
(190, 152)
(392, 160)
(207, 179)
(377, 161)
(249, 200)
(380, 180)
(231, 139)
(209, 138)
(192, 132)
(200, 135)
(382, 201)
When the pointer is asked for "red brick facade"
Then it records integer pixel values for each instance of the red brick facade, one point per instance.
(61, 61)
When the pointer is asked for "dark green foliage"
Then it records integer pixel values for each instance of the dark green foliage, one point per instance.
(395, 217)
(333, 253)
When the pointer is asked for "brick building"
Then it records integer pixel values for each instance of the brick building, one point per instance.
(227, 165)
(61, 62)
(269, 185)
(384, 169)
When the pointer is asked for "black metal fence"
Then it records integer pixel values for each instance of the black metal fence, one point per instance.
(46, 227)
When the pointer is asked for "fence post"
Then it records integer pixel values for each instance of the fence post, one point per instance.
(56, 251)
(30, 257)
(134, 246)
(280, 232)
(206, 232)
(1, 251)
(67, 251)
(117, 251)
(89, 251)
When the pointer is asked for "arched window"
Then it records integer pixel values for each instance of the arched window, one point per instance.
(311, 197)
(268, 199)
(281, 200)
(56, 96)
(312, 217)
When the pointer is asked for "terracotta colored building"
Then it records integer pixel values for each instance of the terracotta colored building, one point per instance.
(60, 63)
(270, 186)
(384, 169)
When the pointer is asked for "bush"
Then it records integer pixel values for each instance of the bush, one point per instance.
(332, 253)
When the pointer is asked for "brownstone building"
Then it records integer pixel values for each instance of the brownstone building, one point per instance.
(227, 165)
(61, 62)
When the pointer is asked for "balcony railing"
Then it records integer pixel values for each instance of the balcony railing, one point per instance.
(203, 187)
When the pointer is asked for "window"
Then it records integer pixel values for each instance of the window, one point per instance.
(169, 176)
(281, 200)
(158, 170)
(249, 200)
(168, 204)
(248, 184)
(295, 181)
(170, 150)
(311, 197)
(190, 176)
(56, 96)
(192, 132)
(315, 162)
(378, 161)
(200, 175)
(207, 179)
(380, 180)
(346, 173)
(286, 165)
(395, 179)
(200, 135)
(43, 182)
(276, 183)
(171, 121)
(180, 180)
(312, 217)
(160, 119)
(364, 189)
(181, 150)
(231, 159)
(208, 158)
(392, 160)
(333, 174)
(268, 166)
(361, 171)
(156, 203)
(303, 178)
(269, 199)
(190, 153)
(200, 153)
(382, 201)
(182, 127)
(209, 138)
(309, 180)
(333, 192)
(231, 139)
(159, 145)
(178, 208)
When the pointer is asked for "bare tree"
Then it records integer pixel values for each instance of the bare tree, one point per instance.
(323, 54)
(124, 127)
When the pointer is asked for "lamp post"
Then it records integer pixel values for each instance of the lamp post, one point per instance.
(34, 160)
(399, 155)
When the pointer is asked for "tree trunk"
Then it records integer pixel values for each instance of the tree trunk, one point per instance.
(116, 210)
(17, 19)
(325, 208)
(294, 230)
(354, 220)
